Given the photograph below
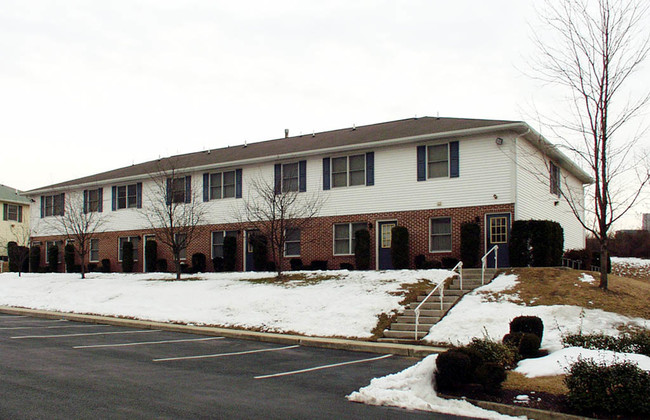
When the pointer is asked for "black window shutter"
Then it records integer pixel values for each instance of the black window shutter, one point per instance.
(422, 163)
(42, 206)
(138, 195)
(302, 176)
(5, 210)
(278, 178)
(100, 195)
(62, 204)
(188, 189)
(85, 201)
(168, 199)
(454, 170)
(326, 173)
(206, 187)
(238, 183)
(20, 214)
(370, 168)
(113, 198)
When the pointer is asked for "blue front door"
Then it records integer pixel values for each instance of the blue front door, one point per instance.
(498, 233)
(384, 243)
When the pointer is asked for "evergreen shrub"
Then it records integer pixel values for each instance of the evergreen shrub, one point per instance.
(218, 264)
(229, 253)
(151, 255)
(68, 257)
(528, 324)
(106, 265)
(53, 258)
(198, 262)
(127, 257)
(362, 249)
(470, 244)
(296, 264)
(35, 259)
(399, 250)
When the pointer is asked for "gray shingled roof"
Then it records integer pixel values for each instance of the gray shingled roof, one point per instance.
(11, 195)
(295, 144)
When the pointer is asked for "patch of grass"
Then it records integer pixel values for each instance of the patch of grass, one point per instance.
(383, 322)
(559, 286)
(551, 384)
(294, 279)
(411, 291)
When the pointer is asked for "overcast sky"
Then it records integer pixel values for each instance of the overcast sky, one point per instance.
(88, 86)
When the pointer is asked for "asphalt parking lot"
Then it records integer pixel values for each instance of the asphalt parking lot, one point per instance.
(64, 369)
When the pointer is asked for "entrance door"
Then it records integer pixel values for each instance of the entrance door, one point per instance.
(147, 238)
(383, 244)
(250, 261)
(498, 233)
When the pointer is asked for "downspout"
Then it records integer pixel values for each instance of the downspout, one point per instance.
(516, 178)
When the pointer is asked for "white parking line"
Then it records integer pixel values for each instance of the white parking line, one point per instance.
(293, 372)
(205, 356)
(84, 334)
(13, 316)
(142, 343)
(28, 327)
(38, 320)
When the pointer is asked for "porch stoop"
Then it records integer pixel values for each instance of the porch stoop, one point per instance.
(403, 329)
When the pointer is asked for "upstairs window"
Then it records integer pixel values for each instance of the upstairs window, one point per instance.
(345, 171)
(52, 205)
(179, 190)
(93, 200)
(555, 179)
(226, 184)
(126, 197)
(12, 212)
(290, 177)
(438, 161)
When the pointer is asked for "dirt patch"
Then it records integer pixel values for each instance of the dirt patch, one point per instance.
(560, 286)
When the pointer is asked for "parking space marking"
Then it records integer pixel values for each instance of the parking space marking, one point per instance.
(294, 372)
(53, 327)
(13, 316)
(142, 343)
(206, 356)
(84, 334)
(38, 320)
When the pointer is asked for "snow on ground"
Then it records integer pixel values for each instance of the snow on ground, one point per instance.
(347, 305)
(558, 362)
(476, 315)
(631, 267)
(412, 389)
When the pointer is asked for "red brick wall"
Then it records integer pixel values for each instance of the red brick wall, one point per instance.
(316, 242)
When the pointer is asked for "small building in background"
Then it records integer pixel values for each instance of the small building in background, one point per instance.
(14, 224)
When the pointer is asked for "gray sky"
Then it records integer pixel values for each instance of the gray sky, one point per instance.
(88, 86)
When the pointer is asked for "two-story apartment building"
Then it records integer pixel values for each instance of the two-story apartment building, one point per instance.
(14, 225)
(427, 174)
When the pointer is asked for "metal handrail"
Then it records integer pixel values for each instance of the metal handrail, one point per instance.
(440, 286)
(459, 267)
(495, 248)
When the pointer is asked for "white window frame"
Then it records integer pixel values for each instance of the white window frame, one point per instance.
(135, 248)
(17, 210)
(555, 179)
(59, 245)
(450, 234)
(129, 192)
(91, 250)
(51, 208)
(89, 201)
(428, 161)
(222, 177)
(350, 238)
(348, 172)
(182, 254)
(285, 185)
(224, 234)
(287, 242)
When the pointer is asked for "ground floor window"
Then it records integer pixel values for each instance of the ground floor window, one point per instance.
(217, 241)
(94, 250)
(181, 240)
(292, 243)
(440, 229)
(135, 240)
(51, 244)
(344, 237)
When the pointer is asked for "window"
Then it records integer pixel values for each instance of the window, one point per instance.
(222, 185)
(94, 250)
(217, 241)
(292, 243)
(48, 247)
(179, 190)
(438, 161)
(348, 170)
(290, 177)
(126, 196)
(93, 200)
(135, 240)
(52, 205)
(440, 235)
(344, 241)
(12, 212)
(181, 241)
(498, 230)
(555, 179)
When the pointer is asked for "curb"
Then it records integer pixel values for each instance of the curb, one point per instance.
(408, 350)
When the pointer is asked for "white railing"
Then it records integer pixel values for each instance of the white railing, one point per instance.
(494, 249)
(441, 287)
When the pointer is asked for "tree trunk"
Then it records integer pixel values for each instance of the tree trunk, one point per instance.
(177, 263)
(604, 266)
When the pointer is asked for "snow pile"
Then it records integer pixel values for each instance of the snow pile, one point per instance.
(587, 278)
(477, 314)
(558, 362)
(412, 388)
(631, 267)
(345, 305)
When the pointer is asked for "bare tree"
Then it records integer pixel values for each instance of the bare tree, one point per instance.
(591, 50)
(279, 215)
(174, 212)
(81, 221)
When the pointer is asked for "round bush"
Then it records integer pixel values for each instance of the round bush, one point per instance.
(453, 369)
(526, 344)
(528, 324)
(491, 376)
(493, 352)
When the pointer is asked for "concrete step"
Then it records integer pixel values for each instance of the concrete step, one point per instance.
(431, 305)
(398, 326)
(407, 335)
(436, 299)
(426, 312)
(447, 292)
(423, 319)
